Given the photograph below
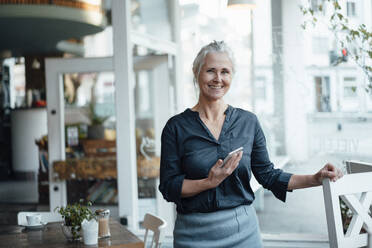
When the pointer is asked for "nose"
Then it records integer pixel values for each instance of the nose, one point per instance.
(218, 77)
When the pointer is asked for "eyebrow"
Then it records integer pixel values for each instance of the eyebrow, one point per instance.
(214, 68)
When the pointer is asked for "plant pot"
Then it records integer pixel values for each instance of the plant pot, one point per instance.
(96, 132)
(69, 234)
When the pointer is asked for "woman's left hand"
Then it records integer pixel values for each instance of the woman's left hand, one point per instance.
(328, 171)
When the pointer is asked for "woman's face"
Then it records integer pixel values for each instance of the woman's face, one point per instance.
(215, 76)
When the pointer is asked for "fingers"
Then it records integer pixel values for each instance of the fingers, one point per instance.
(332, 172)
(329, 174)
(219, 163)
(330, 167)
(233, 163)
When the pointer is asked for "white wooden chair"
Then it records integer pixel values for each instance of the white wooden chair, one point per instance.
(356, 191)
(353, 166)
(155, 224)
(45, 217)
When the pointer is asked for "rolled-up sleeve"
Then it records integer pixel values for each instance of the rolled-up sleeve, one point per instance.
(263, 169)
(171, 176)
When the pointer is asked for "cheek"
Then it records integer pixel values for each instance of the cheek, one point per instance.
(228, 81)
(203, 80)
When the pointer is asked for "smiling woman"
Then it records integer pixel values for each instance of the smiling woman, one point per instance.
(214, 202)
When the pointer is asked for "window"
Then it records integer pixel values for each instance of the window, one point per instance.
(315, 5)
(152, 17)
(260, 88)
(350, 102)
(320, 45)
(350, 88)
(350, 6)
(322, 94)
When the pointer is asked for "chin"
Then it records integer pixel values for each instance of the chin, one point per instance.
(214, 97)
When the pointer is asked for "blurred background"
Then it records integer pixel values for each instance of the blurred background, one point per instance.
(114, 76)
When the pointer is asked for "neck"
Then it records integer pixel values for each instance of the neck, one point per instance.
(211, 110)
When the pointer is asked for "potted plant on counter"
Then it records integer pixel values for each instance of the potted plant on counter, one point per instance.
(96, 130)
(73, 215)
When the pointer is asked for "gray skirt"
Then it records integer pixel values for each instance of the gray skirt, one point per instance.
(236, 227)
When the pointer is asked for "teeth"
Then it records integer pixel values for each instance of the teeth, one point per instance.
(215, 87)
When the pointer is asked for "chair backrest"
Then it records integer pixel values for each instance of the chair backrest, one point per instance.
(355, 190)
(358, 166)
(45, 217)
(156, 225)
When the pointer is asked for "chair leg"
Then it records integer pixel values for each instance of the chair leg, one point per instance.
(152, 241)
(145, 239)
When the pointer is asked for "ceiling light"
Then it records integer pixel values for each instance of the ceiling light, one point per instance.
(241, 4)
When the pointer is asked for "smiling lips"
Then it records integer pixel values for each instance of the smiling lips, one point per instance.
(215, 86)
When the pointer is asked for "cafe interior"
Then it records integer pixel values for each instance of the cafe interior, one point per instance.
(86, 87)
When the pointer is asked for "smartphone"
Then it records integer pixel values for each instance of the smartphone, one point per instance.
(230, 155)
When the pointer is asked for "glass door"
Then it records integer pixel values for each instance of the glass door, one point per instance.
(90, 139)
(82, 132)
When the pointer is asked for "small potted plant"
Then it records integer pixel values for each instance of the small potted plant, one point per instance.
(73, 215)
(96, 130)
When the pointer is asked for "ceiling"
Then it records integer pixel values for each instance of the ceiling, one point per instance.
(36, 30)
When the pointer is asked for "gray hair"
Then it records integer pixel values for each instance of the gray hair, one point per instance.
(214, 46)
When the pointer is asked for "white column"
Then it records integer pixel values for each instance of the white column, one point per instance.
(278, 79)
(295, 93)
(175, 19)
(56, 132)
(125, 119)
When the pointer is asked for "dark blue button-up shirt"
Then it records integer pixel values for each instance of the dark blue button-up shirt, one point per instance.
(189, 150)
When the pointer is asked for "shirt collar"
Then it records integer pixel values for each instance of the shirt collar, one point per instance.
(227, 112)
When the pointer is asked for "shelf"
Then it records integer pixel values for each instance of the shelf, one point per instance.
(99, 192)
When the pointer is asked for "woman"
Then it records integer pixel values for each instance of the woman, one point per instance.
(213, 201)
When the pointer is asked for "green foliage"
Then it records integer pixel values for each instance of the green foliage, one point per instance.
(74, 214)
(94, 118)
(357, 40)
(346, 215)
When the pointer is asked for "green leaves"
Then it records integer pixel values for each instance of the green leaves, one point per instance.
(354, 33)
(370, 54)
(95, 119)
(74, 214)
(356, 39)
(336, 5)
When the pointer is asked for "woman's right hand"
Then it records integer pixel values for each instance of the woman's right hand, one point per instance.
(217, 173)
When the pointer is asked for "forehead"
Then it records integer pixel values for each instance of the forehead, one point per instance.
(217, 59)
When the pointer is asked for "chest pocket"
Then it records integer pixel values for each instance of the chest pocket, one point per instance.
(237, 141)
(196, 164)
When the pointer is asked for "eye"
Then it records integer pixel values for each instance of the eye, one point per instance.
(210, 70)
(226, 72)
